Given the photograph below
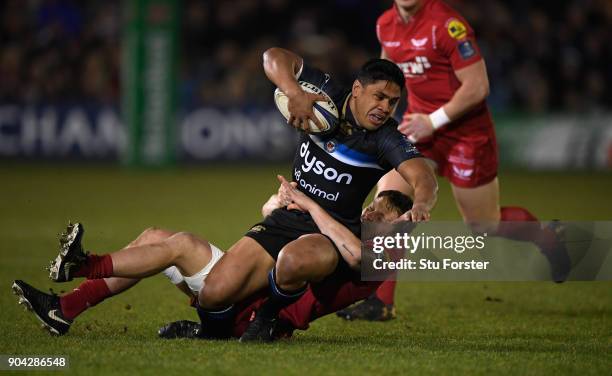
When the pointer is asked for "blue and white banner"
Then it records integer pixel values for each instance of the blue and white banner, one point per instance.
(58, 132)
(97, 133)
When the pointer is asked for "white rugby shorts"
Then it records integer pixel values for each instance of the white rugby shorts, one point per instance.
(196, 281)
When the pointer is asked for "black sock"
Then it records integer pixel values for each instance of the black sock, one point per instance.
(278, 298)
(216, 324)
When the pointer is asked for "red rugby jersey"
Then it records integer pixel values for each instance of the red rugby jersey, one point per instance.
(429, 48)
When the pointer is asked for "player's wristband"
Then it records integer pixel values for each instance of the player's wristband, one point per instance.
(439, 118)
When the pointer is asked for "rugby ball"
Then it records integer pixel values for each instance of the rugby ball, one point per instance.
(325, 111)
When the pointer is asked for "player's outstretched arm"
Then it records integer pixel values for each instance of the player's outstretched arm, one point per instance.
(346, 242)
(282, 67)
(420, 177)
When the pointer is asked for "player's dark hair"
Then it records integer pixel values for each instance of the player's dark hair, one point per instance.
(380, 70)
(399, 201)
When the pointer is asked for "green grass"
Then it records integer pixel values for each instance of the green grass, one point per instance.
(442, 328)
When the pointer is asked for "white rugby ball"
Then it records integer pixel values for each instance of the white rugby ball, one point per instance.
(325, 111)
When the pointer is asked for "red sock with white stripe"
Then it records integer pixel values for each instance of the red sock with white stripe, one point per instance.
(88, 294)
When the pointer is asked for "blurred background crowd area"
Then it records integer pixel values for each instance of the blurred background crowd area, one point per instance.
(542, 56)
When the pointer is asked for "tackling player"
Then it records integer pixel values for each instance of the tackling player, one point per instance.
(448, 118)
(191, 258)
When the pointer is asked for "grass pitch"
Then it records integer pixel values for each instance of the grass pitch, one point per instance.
(442, 328)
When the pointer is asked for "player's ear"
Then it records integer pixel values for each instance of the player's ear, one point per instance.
(357, 88)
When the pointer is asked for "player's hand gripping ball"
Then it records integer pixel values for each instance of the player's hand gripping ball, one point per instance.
(325, 111)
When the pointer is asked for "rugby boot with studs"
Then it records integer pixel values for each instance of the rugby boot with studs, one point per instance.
(45, 307)
(71, 255)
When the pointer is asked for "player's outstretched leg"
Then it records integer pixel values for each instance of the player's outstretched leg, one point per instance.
(93, 291)
(45, 307)
(480, 208)
(520, 224)
(181, 249)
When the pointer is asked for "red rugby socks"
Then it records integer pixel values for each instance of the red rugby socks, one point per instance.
(519, 224)
(386, 291)
(96, 267)
(88, 294)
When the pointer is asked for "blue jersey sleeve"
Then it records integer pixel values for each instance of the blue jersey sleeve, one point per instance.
(324, 82)
(393, 147)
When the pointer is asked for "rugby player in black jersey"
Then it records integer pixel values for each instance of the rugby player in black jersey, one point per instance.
(287, 249)
(337, 173)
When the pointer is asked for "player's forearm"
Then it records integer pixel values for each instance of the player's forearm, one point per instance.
(280, 66)
(420, 176)
(425, 191)
(346, 242)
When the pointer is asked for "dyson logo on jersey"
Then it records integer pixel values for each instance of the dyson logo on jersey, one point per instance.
(312, 188)
(318, 167)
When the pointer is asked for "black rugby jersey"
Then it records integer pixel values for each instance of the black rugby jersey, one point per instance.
(340, 170)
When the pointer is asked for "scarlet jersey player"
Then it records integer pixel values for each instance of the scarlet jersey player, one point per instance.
(448, 119)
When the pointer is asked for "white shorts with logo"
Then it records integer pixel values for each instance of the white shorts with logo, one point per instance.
(196, 281)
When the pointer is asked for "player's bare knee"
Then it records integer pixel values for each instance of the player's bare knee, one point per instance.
(217, 291)
(150, 231)
(213, 294)
(175, 245)
(144, 235)
(289, 266)
(154, 232)
(183, 243)
(152, 235)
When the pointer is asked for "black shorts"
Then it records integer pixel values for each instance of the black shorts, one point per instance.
(283, 226)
